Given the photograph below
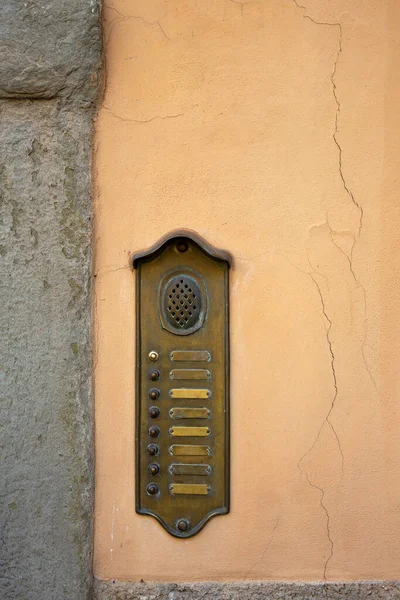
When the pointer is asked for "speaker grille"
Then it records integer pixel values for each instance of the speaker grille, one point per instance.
(183, 302)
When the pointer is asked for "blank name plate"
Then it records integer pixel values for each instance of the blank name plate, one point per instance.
(182, 383)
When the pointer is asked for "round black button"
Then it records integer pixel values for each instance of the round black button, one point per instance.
(154, 431)
(152, 450)
(154, 412)
(154, 375)
(154, 394)
(183, 525)
(153, 468)
(152, 489)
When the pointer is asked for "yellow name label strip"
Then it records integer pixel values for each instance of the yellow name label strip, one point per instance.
(195, 374)
(186, 450)
(190, 356)
(188, 393)
(189, 431)
(195, 489)
(189, 413)
(188, 469)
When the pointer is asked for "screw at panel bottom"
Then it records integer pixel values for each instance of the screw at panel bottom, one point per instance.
(183, 525)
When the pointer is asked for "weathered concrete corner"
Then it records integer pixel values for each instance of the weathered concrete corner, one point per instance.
(252, 590)
(49, 49)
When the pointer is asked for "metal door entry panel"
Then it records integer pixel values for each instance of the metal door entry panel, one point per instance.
(182, 389)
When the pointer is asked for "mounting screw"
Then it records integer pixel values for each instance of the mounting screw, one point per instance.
(183, 525)
(153, 356)
(182, 246)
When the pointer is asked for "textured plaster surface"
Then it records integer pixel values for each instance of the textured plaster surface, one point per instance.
(46, 467)
(271, 128)
(107, 590)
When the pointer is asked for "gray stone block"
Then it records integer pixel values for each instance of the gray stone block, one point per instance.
(46, 463)
(49, 48)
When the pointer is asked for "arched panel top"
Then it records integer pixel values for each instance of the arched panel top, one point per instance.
(181, 236)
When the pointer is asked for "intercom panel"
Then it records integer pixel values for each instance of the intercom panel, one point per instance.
(182, 383)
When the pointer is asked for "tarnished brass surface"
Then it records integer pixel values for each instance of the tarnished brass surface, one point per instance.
(191, 489)
(189, 413)
(189, 469)
(190, 374)
(184, 431)
(182, 327)
(192, 450)
(189, 393)
(190, 356)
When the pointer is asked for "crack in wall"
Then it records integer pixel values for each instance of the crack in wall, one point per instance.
(138, 18)
(110, 269)
(161, 117)
(327, 420)
(328, 320)
(239, 4)
(264, 552)
(349, 258)
(122, 17)
(338, 109)
(335, 133)
(347, 189)
(334, 376)
(328, 531)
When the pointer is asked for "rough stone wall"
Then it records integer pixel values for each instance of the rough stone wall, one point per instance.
(253, 590)
(49, 70)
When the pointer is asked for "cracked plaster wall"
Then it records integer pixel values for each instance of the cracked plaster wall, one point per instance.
(272, 129)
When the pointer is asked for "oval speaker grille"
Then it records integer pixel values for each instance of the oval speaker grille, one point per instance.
(182, 302)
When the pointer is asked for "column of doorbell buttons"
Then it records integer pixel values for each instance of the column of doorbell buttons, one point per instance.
(154, 431)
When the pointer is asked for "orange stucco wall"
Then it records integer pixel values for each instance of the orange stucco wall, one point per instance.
(273, 131)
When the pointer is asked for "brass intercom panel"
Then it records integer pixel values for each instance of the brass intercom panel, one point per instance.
(182, 389)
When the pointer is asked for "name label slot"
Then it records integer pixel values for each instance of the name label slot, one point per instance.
(190, 356)
(188, 469)
(189, 393)
(195, 489)
(186, 450)
(182, 431)
(189, 413)
(195, 374)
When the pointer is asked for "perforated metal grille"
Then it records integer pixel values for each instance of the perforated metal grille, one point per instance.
(183, 302)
